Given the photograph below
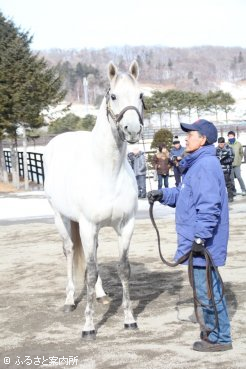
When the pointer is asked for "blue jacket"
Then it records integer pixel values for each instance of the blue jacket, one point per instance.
(201, 205)
(177, 152)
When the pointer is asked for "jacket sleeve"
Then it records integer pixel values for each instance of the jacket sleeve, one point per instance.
(170, 196)
(155, 161)
(142, 164)
(130, 159)
(207, 198)
(241, 151)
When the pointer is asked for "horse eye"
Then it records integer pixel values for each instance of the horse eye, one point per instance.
(141, 95)
(113, 97)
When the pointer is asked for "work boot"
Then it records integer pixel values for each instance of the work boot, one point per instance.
(207, 346)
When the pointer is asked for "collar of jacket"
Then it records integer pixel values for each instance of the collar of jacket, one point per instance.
(192, 158)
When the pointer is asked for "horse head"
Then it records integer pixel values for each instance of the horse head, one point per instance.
(125, 102)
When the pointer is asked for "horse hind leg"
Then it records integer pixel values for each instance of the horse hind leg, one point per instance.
(66, 230)
(79, 263)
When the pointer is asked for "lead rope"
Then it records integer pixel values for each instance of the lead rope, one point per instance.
(209, 265)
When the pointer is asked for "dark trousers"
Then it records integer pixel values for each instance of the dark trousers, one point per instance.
(229, 184)
(141, 182)
(177, 175)
(162, 177)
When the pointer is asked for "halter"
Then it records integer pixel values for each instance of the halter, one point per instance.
(118, 117)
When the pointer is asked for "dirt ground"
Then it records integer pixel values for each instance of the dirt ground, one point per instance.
(6, 187)
(36, 332)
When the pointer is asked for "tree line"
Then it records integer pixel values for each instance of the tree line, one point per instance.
(178, 102)
(186, 103)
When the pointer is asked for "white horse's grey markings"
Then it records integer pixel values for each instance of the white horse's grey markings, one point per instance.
(82, 204)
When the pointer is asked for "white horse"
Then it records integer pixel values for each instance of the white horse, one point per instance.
(90, 185)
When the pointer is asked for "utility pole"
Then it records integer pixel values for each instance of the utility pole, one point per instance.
(85, 84)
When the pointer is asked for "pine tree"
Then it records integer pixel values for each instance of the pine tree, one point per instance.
(28, 86)
(163, 136)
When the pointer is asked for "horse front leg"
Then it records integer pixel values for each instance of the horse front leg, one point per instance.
(124, 271)
(101, 296)
(89, 235)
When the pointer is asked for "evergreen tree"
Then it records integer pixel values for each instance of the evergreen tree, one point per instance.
(226, 103)
(65, 124)
(88, 122)
(220, 100)
(163, 136)
(28, 86)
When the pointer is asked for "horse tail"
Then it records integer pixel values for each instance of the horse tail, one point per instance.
(78, 256)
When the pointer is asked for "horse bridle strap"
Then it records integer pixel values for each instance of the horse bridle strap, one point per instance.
(209, 266)
(117, 117)
(130, 107)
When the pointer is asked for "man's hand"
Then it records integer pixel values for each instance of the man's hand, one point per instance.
(198, 247)
(155, 195)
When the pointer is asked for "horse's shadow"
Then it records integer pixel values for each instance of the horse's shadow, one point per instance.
(145, 287)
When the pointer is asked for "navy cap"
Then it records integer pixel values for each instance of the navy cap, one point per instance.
(204, 127)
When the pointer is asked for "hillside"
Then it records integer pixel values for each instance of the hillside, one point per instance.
(195, 69)
(191, 69)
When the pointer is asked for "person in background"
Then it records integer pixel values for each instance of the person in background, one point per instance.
(236, 165)
(176, 154)
(225, 155)
(202, 222)
(161, 164)
(137, 161)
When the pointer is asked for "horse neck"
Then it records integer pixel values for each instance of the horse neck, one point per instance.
(110, 149)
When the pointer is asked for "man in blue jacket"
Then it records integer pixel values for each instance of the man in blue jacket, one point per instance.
(202, 219)
(176, 154)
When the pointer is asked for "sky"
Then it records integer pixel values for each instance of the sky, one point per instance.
(78, 24)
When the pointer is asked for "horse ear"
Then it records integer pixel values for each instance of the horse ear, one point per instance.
(134, 69)
(112, 71)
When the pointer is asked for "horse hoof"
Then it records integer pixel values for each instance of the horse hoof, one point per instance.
(105, 300)
(89, 335)
(131, 326)
(69, 308)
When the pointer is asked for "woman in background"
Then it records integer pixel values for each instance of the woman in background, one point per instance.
(161, 163)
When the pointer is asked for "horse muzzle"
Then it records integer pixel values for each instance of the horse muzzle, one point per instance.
(131, 136)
